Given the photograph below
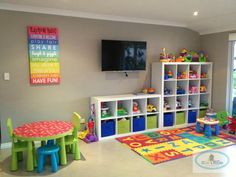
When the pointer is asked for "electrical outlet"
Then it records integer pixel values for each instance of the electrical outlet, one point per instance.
(6, 76)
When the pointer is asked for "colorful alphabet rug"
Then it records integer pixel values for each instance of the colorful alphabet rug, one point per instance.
(165, 145)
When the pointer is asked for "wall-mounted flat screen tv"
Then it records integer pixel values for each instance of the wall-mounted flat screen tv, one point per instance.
(123, 55)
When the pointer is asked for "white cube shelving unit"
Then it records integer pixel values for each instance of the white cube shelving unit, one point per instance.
(160, 83)
(127, 103)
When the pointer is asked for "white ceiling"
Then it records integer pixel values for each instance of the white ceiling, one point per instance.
(214, 15)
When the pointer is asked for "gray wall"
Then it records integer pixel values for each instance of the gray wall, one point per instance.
(81, 75)
(216, 46)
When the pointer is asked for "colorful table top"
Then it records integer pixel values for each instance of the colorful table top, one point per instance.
(208, 121)
(43, 130)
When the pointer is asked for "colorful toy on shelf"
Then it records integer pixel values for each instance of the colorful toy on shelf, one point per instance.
(136, 109)
(166, 106)
(180, 90)
(179, 59)
(167, 91)
(151, 90)
(203, 89)
(178, 104)
(183, 52)
(145, 90)
(195, 56)
(120, 110)
(204, 75)
(193, 89)
(202, 56)
(188, 58)
(232, 125)
(151, 108)
(192, 74)
(105, 110)
(164, 57)
(170, 74)
(182, 75)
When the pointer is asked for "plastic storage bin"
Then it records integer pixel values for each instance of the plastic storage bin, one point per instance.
(152, 121)
(123, 126)
(192, 116)
(180, 118)
(168, 119)
(138, 123)
(202, 113)
(108, 128)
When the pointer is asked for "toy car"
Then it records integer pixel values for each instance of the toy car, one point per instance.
(151, 108)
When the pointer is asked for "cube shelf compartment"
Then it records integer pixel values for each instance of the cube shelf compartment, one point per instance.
(194, 101)
(123, 120)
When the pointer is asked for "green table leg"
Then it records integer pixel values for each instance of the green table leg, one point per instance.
(77, 151)
(62, 151)
(30, 164)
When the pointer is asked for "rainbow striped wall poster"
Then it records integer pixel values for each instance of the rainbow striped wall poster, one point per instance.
(43, 55)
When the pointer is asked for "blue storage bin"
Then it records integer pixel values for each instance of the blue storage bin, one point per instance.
(192, 116)
(138, 123)
(168, 119)
(108, 128)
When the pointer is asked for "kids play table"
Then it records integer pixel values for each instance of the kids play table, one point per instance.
(207, 124)
(43, 131)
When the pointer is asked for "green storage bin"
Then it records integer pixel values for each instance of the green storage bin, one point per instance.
(180, 118)
(152, 121)
(202, 113)
(123, 126)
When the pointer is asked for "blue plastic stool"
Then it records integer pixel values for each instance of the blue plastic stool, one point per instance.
(48, 150)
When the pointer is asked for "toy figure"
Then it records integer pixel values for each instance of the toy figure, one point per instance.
(105, 110)
(179, 75)
(202, 56)
(193, 74)
(195, 56)
(151, 108)
(203, 89)
(164, 56)
(170, 74)
(184, 75)
(193, 89)
(179, 59)
(166, 106)
(180, 90)
(183, 52)
(178, 104)
(136, 107)
(167, 91)
(188, 58)
(204, 75)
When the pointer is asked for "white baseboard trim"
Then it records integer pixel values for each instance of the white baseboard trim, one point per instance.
(6, 145)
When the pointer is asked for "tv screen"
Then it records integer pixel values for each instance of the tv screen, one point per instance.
(123, 55)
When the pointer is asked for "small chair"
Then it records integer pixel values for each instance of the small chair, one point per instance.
(222, 117)
(17, 149)
(71, 141)
(51, 150)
